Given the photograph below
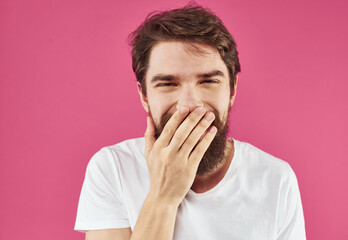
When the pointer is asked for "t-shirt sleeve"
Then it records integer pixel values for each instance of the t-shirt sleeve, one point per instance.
(101, 204)
(291, 219)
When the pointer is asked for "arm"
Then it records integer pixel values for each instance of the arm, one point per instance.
(154, 221)
(109, 234)
(172, 160)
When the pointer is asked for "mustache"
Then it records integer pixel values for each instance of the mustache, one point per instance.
(165, 118)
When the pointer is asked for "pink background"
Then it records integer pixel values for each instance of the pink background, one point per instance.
(67, 89)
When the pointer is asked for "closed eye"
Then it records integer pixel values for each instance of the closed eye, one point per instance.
(209, 81)
(167, 84)
(172, 84)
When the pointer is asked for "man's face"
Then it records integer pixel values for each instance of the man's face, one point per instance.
(179, 75)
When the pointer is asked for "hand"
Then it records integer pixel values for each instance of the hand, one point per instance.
(173, 158)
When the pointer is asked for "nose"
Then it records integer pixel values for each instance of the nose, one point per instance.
(189, 98)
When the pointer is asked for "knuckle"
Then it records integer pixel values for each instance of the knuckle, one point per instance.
(206, 139)
(202, 146)
(190, 142)
(177, 117)
(199, 150)
(204, 124)
(181, 155)
(191, 119)
(158, 148)
(165, 162)
(168, 130)
(179, 137)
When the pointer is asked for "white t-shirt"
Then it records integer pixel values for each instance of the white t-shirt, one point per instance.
(258, 198)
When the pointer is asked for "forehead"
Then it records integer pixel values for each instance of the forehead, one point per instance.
(184, 59)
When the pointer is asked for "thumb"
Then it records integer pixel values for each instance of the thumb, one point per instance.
(149, 136)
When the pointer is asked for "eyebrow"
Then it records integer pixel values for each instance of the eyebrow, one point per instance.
(211, 74)
(164, 77)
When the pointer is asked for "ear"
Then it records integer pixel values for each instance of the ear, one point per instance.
(234, 92)
(143, 98)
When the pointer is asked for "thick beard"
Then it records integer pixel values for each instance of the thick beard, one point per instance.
(215, 153)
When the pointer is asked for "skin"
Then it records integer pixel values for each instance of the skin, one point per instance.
(175, 58)
(187, 89)
(173, 157)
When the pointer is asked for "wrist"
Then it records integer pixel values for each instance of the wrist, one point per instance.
(161, 203)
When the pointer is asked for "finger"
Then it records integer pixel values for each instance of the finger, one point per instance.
(197, 133)
(186, 127)
(197, 154)
(149, 136)
(171, 126)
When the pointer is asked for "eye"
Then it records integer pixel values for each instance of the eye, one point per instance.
(167, 84)
(209, 81)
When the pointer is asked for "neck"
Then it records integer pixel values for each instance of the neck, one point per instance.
(204, 183)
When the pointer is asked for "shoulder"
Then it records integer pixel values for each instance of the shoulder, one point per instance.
(128, 151)
(132, 147)
(251, 158)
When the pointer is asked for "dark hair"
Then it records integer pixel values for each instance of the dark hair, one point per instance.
(191, 24)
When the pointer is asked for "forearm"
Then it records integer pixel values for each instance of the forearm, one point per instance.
(172, 159)
(156, 221)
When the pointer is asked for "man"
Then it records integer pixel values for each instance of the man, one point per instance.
(185, 180)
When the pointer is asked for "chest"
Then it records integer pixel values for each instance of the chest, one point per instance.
(227, 218)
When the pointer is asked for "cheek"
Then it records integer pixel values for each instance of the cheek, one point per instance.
(222, 105)
(160, 106)
(218, 99)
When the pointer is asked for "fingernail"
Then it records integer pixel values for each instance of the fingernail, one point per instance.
(199, 111)
(184, 110)
(212, 130)
(209, 116)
